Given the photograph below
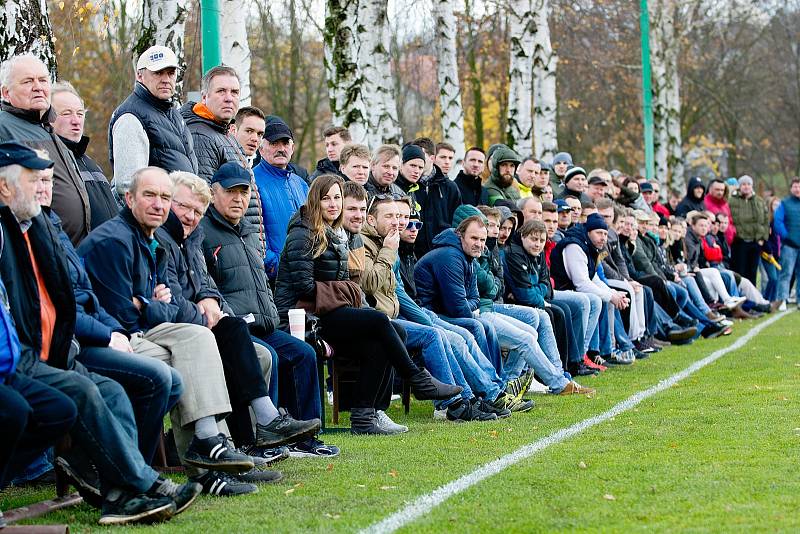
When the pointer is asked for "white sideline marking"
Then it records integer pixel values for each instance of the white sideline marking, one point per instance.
(424, 504)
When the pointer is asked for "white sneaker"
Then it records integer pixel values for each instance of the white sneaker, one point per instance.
(330, 398)
(395, 397)
(440, 415)
(385, 422)
(782, 307)
(538, 387)
(734, 302)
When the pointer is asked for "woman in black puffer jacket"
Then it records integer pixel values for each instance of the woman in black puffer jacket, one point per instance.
(316, 251)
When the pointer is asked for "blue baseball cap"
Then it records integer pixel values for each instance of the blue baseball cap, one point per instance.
(230, 175)
(13, 153)
(561, 205)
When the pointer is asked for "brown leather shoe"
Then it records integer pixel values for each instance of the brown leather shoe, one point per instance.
(714, 316)
(774, 305)
(573, 388)
(739, 313)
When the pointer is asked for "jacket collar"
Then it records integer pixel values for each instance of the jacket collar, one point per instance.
(473, 182)
(30, 115)
(127, 216)
(277, 172)
(77, 148)
(142, 92)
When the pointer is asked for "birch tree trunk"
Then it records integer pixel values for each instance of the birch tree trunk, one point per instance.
(235, 48)
(25, 27)
(375, 63)
(447, 69)
(163, 23)
(664, 52)
(345, 79)
(519, 133)
(545, 106)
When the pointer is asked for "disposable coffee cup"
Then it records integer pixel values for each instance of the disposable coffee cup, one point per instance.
(297, 323)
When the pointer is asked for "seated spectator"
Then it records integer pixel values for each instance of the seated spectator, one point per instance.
(469, 179)
(716, 201)
(597, 188)
(129, 271)
(527, 176)
(153, 387)
(502, 184)
(230, 246)
(673, 201)
(354, 163)
(531, 208)
(25, 116)
(575, 185)
(43, 305)
(314, 274)
(335, 139)
(561, 163)
(70, 114)
(384, 169)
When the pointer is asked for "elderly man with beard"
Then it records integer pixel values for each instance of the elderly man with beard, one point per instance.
(502, 184)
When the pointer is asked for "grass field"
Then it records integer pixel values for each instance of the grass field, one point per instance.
(717, 452)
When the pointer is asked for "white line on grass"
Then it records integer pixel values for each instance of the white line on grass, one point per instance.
(424, 504)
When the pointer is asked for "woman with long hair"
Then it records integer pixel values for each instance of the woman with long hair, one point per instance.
(313, 275)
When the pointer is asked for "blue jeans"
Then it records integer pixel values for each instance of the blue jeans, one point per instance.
(602, 339)
(574, 342)
(522, 339)
(681, 296)
(540, 320)
(105, 429)
(620, 335)
(730, 282)
(589, 315)
(153, 388)
(790, 259)
(694, 294)
(439, 359)
(769, 280)
(478, 371)
(297, 371)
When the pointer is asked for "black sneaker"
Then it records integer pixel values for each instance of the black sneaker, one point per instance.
(224, 484)
(468, 411)
(259, 475)
(87, 484)
(217, 453)
(264, 456)
(182, 495)
(284, 429)
(312, 448)
(581, 369)
(121, 508)
(498, 407)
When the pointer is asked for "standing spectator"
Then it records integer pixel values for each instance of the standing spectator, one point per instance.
(282, 191)
(787, 224)
(716, 201)
(694, 199)
(438, 198)
(335, 139)
(650, 191)
(673, 201)
(501, 183)
(527, 176)
(248, 130)
(208, 121)
(561, 163)
(575, 184)
(770, 255)
(469, 179)
(70, 114)
(444, 157)
(354, 163)
(25, 117)
(146, 129)
(752, 229)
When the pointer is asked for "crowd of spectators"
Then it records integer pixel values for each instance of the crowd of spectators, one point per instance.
(167, 289)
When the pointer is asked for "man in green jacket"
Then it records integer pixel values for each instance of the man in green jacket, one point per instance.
(502, 185)
(749, 213)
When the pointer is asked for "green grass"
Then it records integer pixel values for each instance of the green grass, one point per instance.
(714, 453)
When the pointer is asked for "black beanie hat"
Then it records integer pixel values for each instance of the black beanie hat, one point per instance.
(413, 152)
(595, 221)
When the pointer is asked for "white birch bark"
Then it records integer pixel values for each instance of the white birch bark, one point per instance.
(233, 41)
(375, 64)
(522, 29)
(163, 23)
(345, 79)
(545, 104)
(25, 28)
(664, 52)
(452, 119)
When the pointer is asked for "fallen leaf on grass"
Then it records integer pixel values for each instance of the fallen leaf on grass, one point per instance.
(582, 464)
(393, 473)
(332, 516)
(361, 485)
(609, 497)
(330, 467)
(493, 433)
(388, 487)
(288, 491)
(298, 485)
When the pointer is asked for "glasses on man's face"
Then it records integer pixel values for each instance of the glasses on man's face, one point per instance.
(383, 196)
(414, 225)
(186, 207)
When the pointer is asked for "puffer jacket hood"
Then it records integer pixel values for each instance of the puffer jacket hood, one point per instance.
(448, 238)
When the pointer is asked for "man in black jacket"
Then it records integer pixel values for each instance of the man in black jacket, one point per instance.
(231, 254)
(335, 138)
(68, 123)
(469, 181)
(34, 268)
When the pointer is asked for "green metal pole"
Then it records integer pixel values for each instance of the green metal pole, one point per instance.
(647, 93)
(209, 22)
